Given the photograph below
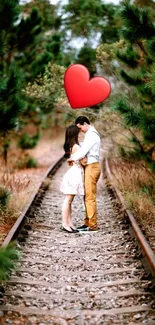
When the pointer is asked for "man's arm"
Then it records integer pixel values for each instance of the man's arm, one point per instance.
(86, 146)
(75, 148)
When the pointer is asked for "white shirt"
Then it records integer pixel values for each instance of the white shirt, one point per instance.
(90, 147)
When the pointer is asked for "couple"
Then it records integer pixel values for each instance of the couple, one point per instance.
(82, 176)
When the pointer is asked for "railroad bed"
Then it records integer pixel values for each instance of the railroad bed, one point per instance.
(78, 278)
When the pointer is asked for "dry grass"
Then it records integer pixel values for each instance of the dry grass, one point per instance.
(13, 182)
(137, 185)
(132, 175)
(8, 217)
(22, 183)
(20, 188)
(15, 206)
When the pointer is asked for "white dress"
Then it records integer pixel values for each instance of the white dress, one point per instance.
(73, 180)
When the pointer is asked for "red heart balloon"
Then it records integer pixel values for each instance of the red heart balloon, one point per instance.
(83, 91)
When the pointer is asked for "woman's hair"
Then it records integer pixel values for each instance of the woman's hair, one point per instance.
(71, 138)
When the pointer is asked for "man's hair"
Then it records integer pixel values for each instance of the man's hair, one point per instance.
(81, 120)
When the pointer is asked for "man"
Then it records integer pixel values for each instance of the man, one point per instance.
(91, 149)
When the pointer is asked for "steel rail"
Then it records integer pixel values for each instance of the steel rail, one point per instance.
(144, 245)
(19, 222)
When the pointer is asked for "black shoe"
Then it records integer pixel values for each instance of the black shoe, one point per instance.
(75, 230)
(64, 229)
(82, 227)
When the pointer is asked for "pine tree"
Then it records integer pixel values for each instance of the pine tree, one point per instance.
(30, 36)
(48, 12)
(12, 102)
(47, 43)
(87, 18)
(24, 53)
(87, 57)
(91, 21)
(137, 63)
(24, 39)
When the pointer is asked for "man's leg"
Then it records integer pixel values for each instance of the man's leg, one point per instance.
(92, 174)
(86, 219)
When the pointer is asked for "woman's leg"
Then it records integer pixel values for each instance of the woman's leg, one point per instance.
(66, 211)
(70, 223)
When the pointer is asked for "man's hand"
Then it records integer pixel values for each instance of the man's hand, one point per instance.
(83, 161)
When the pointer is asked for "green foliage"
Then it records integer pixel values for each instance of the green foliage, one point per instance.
(9, 11)
(151, 80)
(19, 36)
(28, 35)
(147, 189)
(87, 18)
(131, 116)
(4, 197)
(137, 153)
(31, 163)
(54, 46)
(83, 16)
(137, 70)
(8, 257)
(136, 23)
(28, 142)
(27, 162)
(48, 90)
(136, 67)
(11, 98)
(128, 56)
(150, 46)
(87, 57)
(133, 78)
(36, 36)
(28, 29)
(110, 23)
(46, 43)
(48, 13)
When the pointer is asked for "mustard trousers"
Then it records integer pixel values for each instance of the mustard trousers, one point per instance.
(92, 174)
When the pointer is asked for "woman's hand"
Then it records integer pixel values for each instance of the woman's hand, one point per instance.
(70, 161)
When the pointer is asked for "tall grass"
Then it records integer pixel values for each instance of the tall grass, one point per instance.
(137, 185)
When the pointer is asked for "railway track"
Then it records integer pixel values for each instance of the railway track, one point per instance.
(76, 279)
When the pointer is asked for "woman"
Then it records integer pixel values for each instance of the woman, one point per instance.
(73, 180)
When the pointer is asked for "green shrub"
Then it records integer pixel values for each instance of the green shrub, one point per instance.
(31, 163)
(4, 197)
(28, 142)
(26, 162)
(8, 256)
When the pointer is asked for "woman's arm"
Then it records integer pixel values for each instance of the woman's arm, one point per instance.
(83, 161)
(87, 144)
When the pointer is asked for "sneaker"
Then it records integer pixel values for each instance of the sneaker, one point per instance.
(82, 227)
(87, 229)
